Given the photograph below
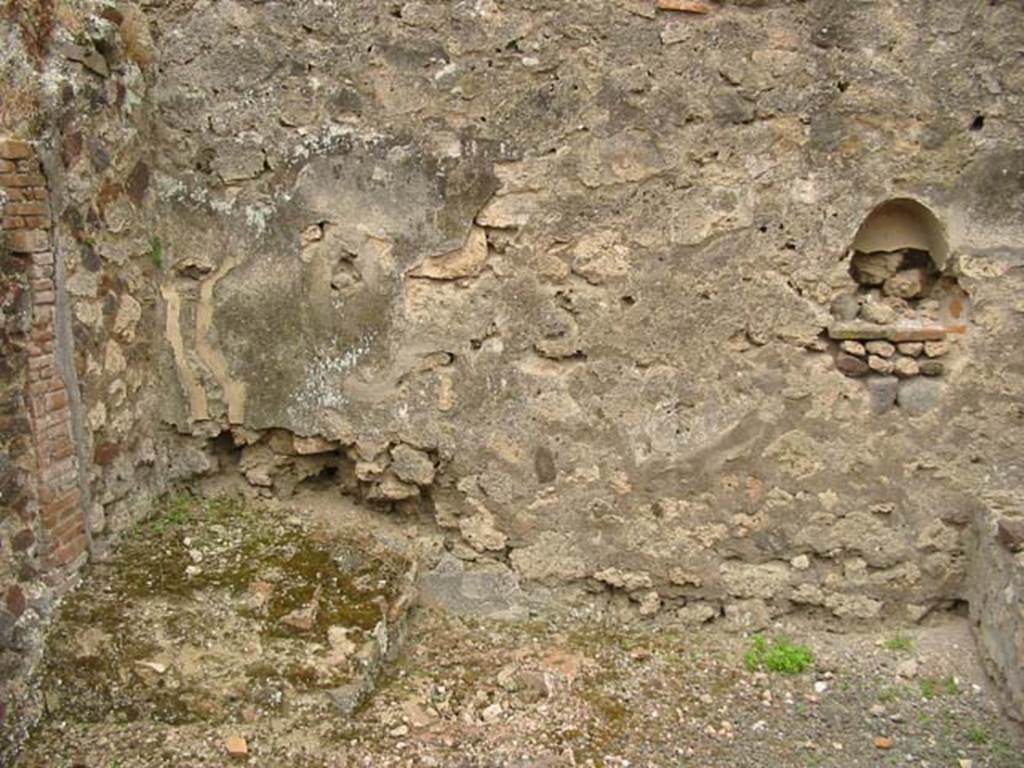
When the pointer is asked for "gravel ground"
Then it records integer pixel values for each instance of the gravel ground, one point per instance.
(149, 671)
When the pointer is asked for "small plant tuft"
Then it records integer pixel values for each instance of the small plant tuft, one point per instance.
(156, 251)
(899, 642)
(977, 734)
(933, 686)
(174, 511)
(781, 656)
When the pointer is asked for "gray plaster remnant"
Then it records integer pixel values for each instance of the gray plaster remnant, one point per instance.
(918, 396)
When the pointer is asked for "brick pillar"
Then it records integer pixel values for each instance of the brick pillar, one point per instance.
(27, 225)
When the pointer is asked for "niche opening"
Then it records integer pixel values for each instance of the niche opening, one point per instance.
(896, 322)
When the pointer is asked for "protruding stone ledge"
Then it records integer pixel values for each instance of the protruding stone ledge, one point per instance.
(897, 333)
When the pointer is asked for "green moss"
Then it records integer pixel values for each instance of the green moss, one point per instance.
(899, 642)
(156, 251)
(978, 734)
(933, 686)
(781, 656)
(193, 561)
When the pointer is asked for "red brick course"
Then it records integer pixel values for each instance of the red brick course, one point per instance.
(26, 224)
(12, 149)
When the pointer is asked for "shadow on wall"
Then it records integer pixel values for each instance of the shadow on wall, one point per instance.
(896, 324)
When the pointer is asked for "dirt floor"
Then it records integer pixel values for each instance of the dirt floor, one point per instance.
(215, 630)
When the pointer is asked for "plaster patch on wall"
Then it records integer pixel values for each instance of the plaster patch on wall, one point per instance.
(198, 409)
(233, 391)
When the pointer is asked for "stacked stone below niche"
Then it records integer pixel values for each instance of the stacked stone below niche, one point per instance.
(894, 329)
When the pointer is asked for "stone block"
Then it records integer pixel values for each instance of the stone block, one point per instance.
(878, 313)
(684, 6)
(28, 241)
(875, 268)
(882, 393)
(901, 334)
(1010, 533)
(880, 348)
(36, 222)
(845, 307)
(854, 348)
(910, 348)
(29, 208)
(15, 600)
(880, 365)
(856, 331)
(919, 395)
(95, 62)
(67, 553)
(22, 180)
(12, 149)
(412, 465)
(852, 366)
(905, 367)
(906, 284)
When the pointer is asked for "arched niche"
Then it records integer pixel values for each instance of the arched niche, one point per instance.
(903, 224)
(896, 322)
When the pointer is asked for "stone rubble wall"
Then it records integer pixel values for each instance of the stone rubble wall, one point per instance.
(566, 287)
(997, 595)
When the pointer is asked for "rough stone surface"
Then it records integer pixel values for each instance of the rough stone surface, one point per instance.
(877, 312)
(412, 465)
(845, 307)
(905, 367)
(911, 348)
(882, 392)
(852, 366)
(1010, 533)
(881, 365)
(854, 348)
(906, 284)
(918, 396)
(875, 268)
(996, 595)
(523, 274)
(880, 348)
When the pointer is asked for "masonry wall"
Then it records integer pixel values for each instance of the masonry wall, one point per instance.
(42, 519)
(558, 285)
(555, 284)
